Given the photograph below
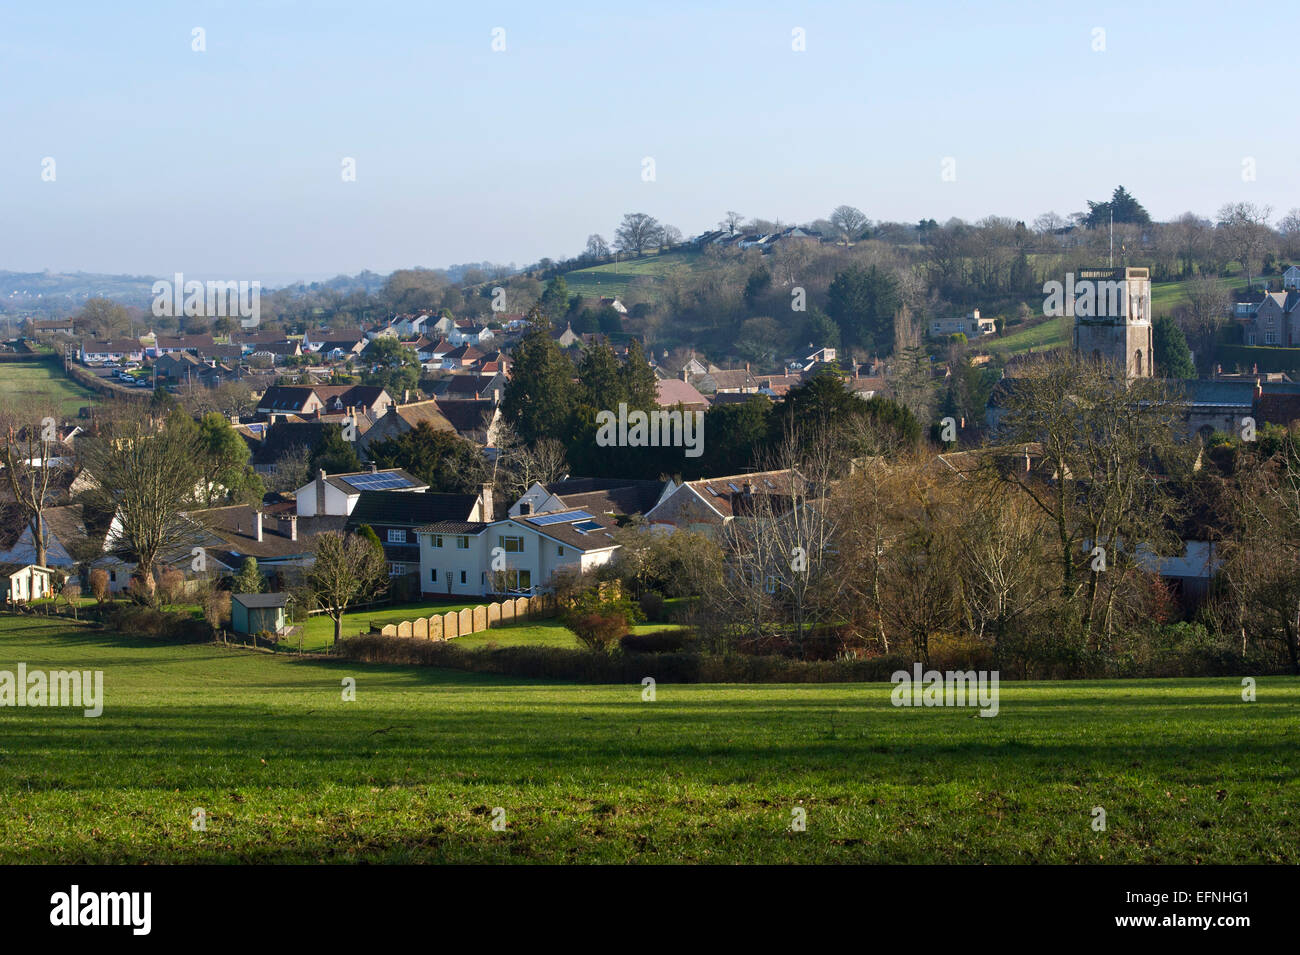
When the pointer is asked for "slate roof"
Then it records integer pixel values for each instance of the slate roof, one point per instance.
(568, 534)
(258, 601)
(673, 391)
(412, 510)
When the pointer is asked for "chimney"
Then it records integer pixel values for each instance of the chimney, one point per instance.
(1259, 390)
(686, 375)
(293, 527)
(320, 492)
(485, 497)
(257, 525)
(406, 396)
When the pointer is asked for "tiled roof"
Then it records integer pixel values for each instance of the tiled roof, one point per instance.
(403, 507)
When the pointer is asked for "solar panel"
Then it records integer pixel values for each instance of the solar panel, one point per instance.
(378, 481)
(565, 517)
(733, 487)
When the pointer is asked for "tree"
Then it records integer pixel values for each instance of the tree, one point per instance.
(539, 395)
(346, 569)
(849, 223)
(392, 366)
(1172, 356)
(519, 465)
(146, 471)
(1243, 229)
(333, 454)
(34, 464)
(638, 232)
(443, 459)
(862, 302)
(554, 303)
(597, 247)
(103, 318)
(1125, 209)
(249, 579)
(1205, 312)
(224, 462)
(731, 222)
(1100, 437)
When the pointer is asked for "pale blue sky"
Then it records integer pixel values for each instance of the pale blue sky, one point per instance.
(227, 162)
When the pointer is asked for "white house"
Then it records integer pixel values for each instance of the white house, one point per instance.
(336, 495)
(465, 559)
(467, 333)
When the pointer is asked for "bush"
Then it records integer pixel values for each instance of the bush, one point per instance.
(660, 641)
(171, 586)
(597, 631)
(99, 584)
(160, 625)
(652, 606)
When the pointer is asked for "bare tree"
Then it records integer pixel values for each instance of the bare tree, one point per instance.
(597, 247)
(346, 569)
(1110, 449)
(35, 464)
(849, 222)
(638, 232)
(731, 222)
(519, 465)
(147, 474)
(1243, 229)
(1205, 312)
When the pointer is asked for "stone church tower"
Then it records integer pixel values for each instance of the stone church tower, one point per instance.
(1112, 318)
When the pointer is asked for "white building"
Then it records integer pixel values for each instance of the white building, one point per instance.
(336, 495)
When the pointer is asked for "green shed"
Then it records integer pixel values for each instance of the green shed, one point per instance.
(253, 613)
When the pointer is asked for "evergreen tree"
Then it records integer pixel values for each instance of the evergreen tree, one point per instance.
(249, 579)
(1172, 356)
(540, 393)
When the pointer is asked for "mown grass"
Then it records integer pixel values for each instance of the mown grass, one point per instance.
(46, 380)
(413, 770)
(615, 278)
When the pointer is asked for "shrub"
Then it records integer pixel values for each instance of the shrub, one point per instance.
(99, 584)
(597, 631)
(157, 624)
(652, 606)
(216, 608)
(660, 641)
(171, 586)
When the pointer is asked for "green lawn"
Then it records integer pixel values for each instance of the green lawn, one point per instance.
(21, 379)
(286, 771)
(318, 630)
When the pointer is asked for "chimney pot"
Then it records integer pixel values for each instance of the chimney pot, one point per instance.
(293, 527)
(257, 525)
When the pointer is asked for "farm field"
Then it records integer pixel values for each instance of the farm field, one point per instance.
(412, 771)
(21, 379)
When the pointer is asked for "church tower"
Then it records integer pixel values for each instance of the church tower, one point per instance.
(1112, 318)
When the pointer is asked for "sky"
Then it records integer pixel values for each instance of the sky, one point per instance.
(228, 162)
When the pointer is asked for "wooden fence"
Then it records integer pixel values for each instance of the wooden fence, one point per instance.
(461, 623)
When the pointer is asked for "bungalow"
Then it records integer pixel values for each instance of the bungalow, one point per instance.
(972, 326)
(173, 344)
(127, 349)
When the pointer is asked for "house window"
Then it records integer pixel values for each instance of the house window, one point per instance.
(397, 537)
(1270, 336)
(462, 576)
(512, 545)
(559, 551)
(396, 570)
(462, 543)
(437, 540)
(518, 580)
(433, 575)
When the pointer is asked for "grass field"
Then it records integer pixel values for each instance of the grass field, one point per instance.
(47, 380)
(286, 771)
(615, 278)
